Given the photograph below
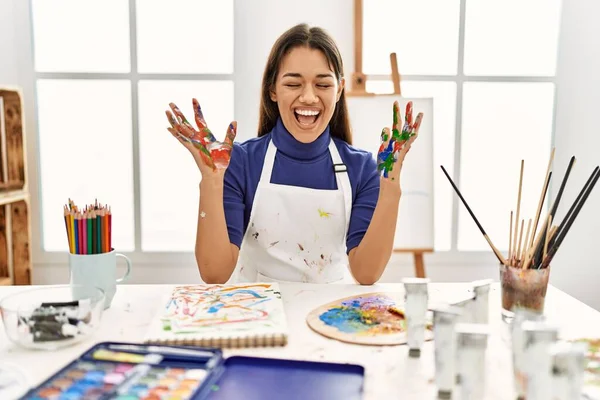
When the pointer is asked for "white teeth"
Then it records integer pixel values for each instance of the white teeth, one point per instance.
(307, 112)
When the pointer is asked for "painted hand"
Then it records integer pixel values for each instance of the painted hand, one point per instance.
(208, 152)
(394, 146)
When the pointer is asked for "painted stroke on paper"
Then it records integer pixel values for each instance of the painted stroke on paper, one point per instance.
(196, 308)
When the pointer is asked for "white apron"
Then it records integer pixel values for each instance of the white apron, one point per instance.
(297, 234)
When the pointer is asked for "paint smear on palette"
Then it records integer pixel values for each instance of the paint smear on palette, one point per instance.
(370, 315)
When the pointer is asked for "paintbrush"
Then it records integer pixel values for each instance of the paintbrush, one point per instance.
(566, 224)
(494, 249)
(539, 249)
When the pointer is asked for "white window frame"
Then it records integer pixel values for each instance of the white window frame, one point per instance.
(454, 255)
(27, 81)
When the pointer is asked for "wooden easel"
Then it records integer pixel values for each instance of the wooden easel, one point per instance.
(358, 88)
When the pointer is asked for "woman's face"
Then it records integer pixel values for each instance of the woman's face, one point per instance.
(306, 91)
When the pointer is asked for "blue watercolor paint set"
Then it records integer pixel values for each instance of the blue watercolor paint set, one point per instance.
(130, 371)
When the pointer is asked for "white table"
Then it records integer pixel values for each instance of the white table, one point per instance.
(390, 373)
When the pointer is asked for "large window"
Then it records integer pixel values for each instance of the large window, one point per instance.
(105, 73)
(490, 67)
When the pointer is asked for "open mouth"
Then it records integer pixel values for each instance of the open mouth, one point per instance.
(306, 118)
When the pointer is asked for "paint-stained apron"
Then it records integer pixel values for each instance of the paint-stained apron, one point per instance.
(297, 234)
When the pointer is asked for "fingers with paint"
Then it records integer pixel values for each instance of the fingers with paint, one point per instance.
(214, 153)
(392, 146)
(386, 155)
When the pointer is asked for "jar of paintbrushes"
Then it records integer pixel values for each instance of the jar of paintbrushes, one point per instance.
(525, 272)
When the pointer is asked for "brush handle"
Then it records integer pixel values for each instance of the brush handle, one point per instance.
(566, 224)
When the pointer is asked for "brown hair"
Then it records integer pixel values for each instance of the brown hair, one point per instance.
(317, 39)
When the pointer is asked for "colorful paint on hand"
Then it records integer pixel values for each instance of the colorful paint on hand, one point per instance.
(371, 315)
(391, 145)
(214, 153)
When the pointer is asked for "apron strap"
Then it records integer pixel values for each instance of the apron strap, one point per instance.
(267, 169)
(343, 182)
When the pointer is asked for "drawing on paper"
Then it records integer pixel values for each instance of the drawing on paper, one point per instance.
(372, 319)
(196, 308)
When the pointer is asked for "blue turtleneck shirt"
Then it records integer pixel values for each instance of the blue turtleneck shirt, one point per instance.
(306, 165)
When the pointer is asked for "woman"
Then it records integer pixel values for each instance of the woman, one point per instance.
(298, 203)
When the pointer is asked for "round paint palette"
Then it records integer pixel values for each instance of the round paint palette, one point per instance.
(370, 319)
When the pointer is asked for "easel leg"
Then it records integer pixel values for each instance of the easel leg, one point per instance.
(419, 265)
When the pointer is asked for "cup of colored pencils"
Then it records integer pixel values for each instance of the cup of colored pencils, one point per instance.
(89, 230)
(525, 271)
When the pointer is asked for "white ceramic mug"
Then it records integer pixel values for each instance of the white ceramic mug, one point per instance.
(99, 270)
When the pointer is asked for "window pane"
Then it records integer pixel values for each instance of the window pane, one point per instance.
(444, 105)
(185, 36)
(424, 35)
(511, 37)
(503, 123)
(81, 36)
(85, 153)
(169, 176)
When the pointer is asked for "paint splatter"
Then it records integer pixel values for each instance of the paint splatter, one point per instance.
(324, 214)
(366, 316)
(300, 247)
(273, 244)
(255, 235)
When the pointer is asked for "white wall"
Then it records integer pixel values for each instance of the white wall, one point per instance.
(254, 41)
(576, 268)
(8, 61)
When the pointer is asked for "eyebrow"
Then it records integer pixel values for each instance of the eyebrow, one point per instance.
(297, 75)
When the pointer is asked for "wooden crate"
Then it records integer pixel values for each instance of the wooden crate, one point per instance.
(15, 224)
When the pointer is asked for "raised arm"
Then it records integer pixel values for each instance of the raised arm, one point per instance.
(369, 259)
(215, 255)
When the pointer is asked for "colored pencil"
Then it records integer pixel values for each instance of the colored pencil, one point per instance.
(88, 229)
(94, 234)
(99, 232)
(89, 233)
(109, 229)
(84, 232)
(75, 227)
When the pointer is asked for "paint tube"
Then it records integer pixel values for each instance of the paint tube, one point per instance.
(415, 303)
(471, 346)
(518, 345)
(481, 289)
(568, 368)
(539, 338)
(444, 321)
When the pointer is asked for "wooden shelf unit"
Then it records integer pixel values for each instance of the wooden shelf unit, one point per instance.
(15, 224)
